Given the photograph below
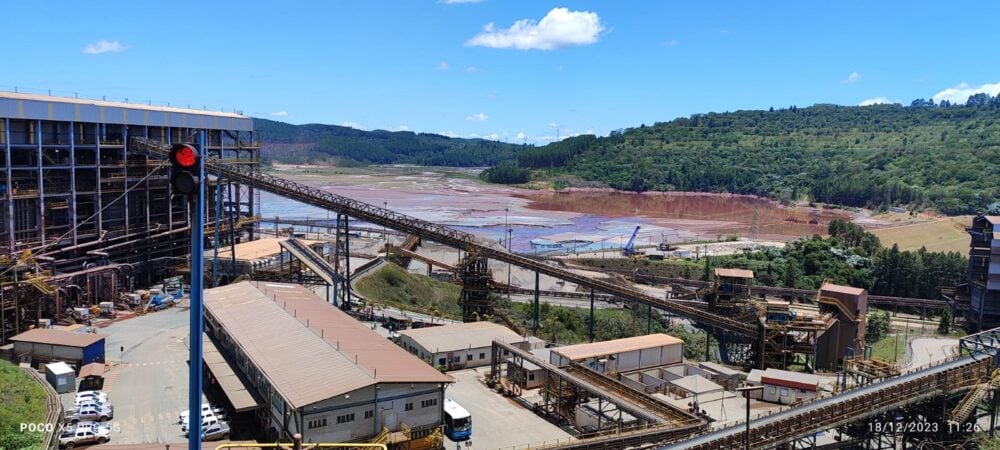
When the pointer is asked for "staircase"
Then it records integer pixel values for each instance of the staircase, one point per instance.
(969, 402)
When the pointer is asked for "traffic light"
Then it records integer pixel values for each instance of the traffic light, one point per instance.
(185, 174)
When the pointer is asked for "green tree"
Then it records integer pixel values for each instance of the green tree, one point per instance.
(944, 326)
(878, 325)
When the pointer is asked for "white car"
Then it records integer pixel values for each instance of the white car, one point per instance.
(90, 413)
(91, 404)
(80, 401)
(98, 395)
(214, 432)
(205, 408)
(206, 420)
(81, 435)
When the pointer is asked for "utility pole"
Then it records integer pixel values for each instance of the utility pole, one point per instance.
(755, 224)
(746, 392)
(197, 306)
(510, 232)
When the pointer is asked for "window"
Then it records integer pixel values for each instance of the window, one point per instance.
(531, 377)
(770, 390)
(345, 418)
(369, 414)
(429, 402)
(319, 423)
(468, 357)
(440, 361)
(784, 392)
(482, 356)
(409, 407)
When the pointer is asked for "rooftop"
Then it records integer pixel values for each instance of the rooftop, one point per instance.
(308, 349)
(58, 337)
(830, 287)
(584, 351)
(696, 384)
(107, 104)
(460, 336)
(253, 250)
(733, 273)
(995, 220)
(791, 379)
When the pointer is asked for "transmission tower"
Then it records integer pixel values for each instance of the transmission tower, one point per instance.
(755, 224)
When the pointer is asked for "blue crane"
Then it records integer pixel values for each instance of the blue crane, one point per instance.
(629, 248)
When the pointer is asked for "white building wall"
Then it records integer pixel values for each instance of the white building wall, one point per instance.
(321, 419)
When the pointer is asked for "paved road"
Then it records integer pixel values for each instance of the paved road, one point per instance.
(497, 421)
(149, 388)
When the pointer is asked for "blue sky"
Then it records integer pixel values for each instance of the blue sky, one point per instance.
(540, 70)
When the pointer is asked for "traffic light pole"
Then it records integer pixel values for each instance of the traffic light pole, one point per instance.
(197, 308)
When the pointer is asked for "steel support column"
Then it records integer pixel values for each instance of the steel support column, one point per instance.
(535, 309)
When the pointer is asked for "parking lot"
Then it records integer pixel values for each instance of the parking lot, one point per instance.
(497, 421)
(147, 383)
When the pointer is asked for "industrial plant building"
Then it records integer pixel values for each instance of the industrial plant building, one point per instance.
(320, 372)
(622, 355)
(984, 272)
(85, 215)
(457, 346)
(42, 345)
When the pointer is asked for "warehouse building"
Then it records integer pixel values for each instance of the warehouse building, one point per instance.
(457, 346)
(320, 372)
(622, 355)
(65, 160)
(42, 345)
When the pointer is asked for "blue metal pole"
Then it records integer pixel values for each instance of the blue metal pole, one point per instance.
(197, 309)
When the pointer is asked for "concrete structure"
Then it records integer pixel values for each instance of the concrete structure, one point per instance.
(457, 346)
(782, 386)
(61, 376)
(728, 378)
(321, 373)
(846, 335)
(984, 271)
(42, 345)
(621, 355)
(65, 160)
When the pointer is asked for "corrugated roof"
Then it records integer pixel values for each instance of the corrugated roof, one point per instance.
(308, 349)
(584, 351)
(787, 378)
(234, 388)
(92, 370)
(386, 361)
(58, 337)
(59, 368)
(995, 220)
(107, 104)
(461, 336)
(842, 289)
(696, 384)
(733, 273)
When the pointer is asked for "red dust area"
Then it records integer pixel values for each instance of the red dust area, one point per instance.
(699, 212)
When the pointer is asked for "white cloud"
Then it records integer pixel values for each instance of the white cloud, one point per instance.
(877, 101)
(449, 133)
(473, 69)
(672, 43)
(724, 32)
(962, 92)
(456, 2)
(355, 125)
(103, 46)
(559, 28)
(280, 114)
(443, 65)
(852, 78)
(491, 96)
(553, 125)
(478, 117)
(401, 128)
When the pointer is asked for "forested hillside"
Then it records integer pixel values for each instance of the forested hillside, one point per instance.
(316, 143)
(941, 156)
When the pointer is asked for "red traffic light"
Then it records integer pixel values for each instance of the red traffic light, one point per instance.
(184, 155)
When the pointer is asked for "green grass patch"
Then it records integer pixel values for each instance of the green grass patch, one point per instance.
(22, 400)
(889, 347)
(395, 287)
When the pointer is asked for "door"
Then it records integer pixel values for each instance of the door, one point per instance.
(389, 420)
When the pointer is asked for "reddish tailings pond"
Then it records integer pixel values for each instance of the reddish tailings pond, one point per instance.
(542, 220)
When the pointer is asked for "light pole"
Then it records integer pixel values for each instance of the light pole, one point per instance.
(385, 232)
(746, 392)
(895, 349)
(603, 239)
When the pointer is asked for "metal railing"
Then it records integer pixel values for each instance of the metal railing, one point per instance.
(53, 411)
